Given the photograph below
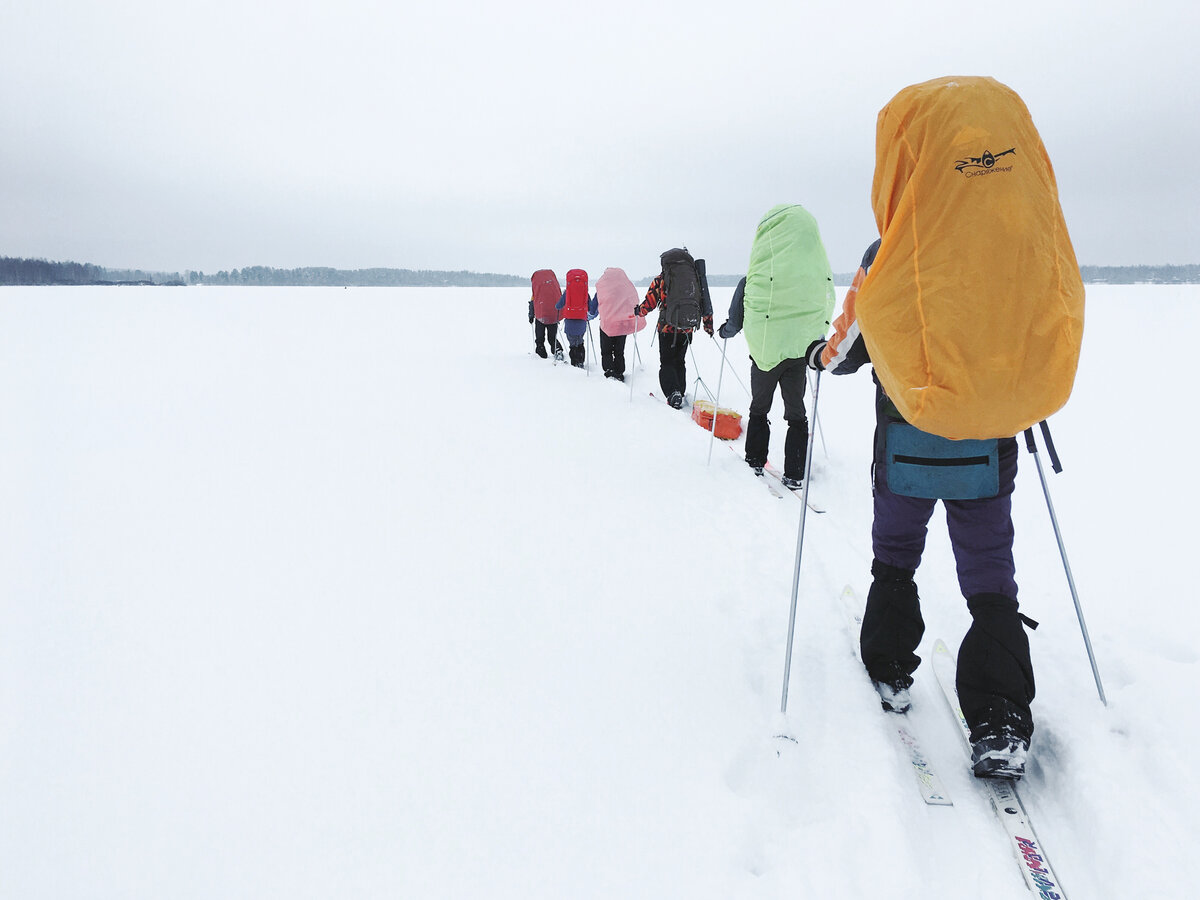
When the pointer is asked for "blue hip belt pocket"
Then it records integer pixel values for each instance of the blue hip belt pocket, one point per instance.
(936, 468)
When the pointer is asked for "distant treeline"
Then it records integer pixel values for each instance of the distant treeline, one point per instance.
(39, 271)
(15, 271)
(317, 276)
(1141, 274)
(1189, 274)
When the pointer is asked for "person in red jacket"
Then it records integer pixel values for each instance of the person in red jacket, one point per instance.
(673, 342)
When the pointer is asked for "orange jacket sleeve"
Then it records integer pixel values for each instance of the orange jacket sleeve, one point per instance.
(845, 351)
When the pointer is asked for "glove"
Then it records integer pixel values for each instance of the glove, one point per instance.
(530, 318)
(723, 331)
(637, 310)
(708, 327)
(812, 356)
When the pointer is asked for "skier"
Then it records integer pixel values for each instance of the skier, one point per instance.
(545, 295)
(615, 297)
(786, 300)
(577, 310)
(968, 348)
(684, 306)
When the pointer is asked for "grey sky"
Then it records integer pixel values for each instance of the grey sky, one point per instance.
(507, 137)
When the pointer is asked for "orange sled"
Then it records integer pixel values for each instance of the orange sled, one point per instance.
(729, 422)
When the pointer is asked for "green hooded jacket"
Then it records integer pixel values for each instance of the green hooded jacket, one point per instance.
(789, 287)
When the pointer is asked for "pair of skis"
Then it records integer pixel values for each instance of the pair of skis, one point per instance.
(771, 477)
(686, 404)
(1001, 793)
(773, 480)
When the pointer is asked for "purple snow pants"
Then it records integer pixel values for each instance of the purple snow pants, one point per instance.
(981, 531)
(995, 673)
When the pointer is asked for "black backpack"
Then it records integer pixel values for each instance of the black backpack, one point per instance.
(681, 287)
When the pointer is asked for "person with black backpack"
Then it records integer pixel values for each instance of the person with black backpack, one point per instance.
(681, 292)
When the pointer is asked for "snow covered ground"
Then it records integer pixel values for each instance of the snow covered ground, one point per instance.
(317, 593)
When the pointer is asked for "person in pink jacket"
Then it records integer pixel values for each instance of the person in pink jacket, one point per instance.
(616, 297)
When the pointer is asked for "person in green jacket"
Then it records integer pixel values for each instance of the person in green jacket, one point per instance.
(785, 304)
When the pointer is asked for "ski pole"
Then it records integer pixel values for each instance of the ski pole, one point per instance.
(787, 665)
(733, 369)
(716, 405)
(699, 380)
(817, 425)
(633, 369)
(1031, 446)
(593, 343)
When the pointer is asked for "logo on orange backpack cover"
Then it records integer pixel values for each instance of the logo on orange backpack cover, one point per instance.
(979, 165)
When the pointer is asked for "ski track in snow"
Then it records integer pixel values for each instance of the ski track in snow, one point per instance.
(332, 593)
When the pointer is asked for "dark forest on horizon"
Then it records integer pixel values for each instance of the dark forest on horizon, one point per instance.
(43, 272)
(26, 272)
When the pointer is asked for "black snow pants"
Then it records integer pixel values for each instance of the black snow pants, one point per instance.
(612, 355)
(790, 377)
(672, 361)
(546, 334)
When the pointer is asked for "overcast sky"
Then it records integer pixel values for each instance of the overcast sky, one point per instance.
(505, 137)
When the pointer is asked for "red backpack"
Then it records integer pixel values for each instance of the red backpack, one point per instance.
(576, 306)
(546, 292)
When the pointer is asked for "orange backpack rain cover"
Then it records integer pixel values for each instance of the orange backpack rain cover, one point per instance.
(973, 309)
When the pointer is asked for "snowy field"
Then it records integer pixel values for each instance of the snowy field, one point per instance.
(317, 593)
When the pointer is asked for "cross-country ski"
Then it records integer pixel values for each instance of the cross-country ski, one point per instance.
(929, 784)
(1002, 796)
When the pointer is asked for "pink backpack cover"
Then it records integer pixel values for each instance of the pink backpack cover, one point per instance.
(616, 297)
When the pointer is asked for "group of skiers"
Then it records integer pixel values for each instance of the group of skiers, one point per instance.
(550, 304)
(969, 308)
(681, 290)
